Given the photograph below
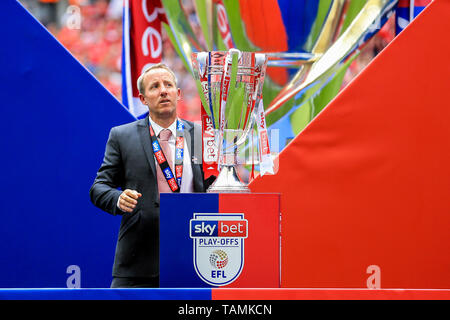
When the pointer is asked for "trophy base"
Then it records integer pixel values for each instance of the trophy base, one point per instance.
(228, 181)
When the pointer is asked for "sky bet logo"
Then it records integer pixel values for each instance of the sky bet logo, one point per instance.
(214, 233)
(156, 146)
(168, 173)
(237, 228)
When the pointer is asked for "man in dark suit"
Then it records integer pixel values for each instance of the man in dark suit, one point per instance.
(130, 164)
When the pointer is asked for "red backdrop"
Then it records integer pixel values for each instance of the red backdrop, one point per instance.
(368, 181)
(262, 255)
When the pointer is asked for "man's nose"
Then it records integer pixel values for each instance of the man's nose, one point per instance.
(163, 90)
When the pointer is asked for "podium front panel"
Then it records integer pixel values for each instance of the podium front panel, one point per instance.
(220, 240)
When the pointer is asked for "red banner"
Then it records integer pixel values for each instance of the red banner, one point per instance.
(223, 24)
(142, 46)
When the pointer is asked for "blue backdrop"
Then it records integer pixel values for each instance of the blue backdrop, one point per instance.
(55, 120)
(176, 264)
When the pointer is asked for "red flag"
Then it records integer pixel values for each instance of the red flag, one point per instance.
(142, 47)
(223, 24)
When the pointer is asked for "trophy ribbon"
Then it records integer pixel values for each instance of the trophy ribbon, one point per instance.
(265, 157)
(225, 87)
(209, 147)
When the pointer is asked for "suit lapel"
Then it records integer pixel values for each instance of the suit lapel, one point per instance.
(144, 135)
(190, 130)
(196, 168)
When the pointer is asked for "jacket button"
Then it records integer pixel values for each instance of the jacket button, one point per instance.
(156, 204)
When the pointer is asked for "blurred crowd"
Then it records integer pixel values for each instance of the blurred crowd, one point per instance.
(92, 31)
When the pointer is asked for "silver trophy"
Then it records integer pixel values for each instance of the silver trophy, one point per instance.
(230, 85)
(309, 45)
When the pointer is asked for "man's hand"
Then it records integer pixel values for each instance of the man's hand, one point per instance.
(128, 200)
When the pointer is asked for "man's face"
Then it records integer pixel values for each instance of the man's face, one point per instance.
(160, 94)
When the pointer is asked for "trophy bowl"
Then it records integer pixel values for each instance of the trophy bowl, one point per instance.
(231, 90)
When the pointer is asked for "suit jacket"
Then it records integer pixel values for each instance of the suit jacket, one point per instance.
(129, 164)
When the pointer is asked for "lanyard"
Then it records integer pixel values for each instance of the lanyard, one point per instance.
(174, 181)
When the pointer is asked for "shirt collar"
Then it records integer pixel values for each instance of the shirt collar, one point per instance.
(157, 128)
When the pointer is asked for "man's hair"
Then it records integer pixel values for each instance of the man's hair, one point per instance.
(140, 81)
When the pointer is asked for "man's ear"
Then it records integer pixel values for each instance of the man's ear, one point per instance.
(141, 97)
(178, 94)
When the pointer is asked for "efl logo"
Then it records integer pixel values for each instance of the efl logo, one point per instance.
(218, 241)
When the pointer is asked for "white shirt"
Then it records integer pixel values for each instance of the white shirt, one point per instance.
(187, 179)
